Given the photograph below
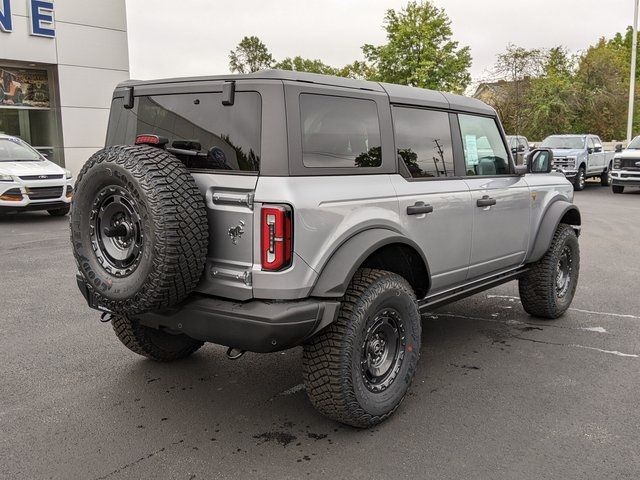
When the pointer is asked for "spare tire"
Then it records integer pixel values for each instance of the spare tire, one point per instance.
(139, 228)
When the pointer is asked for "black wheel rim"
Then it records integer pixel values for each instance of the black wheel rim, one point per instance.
(116, 231)
(382, 350)
(564, 272)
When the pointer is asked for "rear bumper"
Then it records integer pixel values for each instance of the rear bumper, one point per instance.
(255, 325)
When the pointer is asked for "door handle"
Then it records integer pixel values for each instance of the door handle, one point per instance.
(486, 201)
(419, 208)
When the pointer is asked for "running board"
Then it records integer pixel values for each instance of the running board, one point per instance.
(449, 296)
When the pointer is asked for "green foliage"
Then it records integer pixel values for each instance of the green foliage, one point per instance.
(551, 91)
(420, 51)
(249, 56)
(299, 64)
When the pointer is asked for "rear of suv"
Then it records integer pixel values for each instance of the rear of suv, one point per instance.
(277, 209)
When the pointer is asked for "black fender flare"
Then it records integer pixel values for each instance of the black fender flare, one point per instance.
(338, 271)
(551, 218)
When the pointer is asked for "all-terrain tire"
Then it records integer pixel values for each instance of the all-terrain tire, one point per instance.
(59, 212)
(168, 225)
(333, 359)
(152, 343)
(617, 188)
(539, 291)
(580, 180)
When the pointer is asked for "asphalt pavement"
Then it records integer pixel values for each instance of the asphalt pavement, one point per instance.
(498, 394)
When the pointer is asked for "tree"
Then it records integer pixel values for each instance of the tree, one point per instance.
(515, 68)
(553, 97)
(249, 56)
(420, 51)
(299, 64)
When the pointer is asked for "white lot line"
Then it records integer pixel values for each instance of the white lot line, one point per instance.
(591, 312)
(290, 391)
(516, 322)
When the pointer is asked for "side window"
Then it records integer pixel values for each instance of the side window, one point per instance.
(484, 151)
(597, 143)
(591, 143)
(423, 142)
(522, 142)
(339, 132)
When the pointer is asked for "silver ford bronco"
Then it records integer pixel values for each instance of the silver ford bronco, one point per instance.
(277, 209)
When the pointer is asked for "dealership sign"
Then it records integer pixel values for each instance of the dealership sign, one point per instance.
(40, 17)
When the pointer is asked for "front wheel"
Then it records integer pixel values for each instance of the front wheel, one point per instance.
(580, 180)
(547, 289)
(617, 188)
(358, 369)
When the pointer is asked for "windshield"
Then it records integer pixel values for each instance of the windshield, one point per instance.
(15, 150)
(556, 141)
(635, 144)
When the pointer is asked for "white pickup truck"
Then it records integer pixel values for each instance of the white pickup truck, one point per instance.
(580, 157)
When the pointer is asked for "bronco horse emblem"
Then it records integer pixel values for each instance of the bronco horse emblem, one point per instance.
(236, 232)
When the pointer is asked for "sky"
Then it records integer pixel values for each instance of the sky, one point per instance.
(169, 38)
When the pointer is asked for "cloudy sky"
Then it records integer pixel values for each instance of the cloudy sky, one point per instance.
(194, 37)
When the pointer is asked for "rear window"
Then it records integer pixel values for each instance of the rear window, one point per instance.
(339, 132)
(202, 133)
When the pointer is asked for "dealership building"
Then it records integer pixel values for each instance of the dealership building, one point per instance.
(59, 63)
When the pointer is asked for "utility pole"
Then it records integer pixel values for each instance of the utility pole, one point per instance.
(632, 82)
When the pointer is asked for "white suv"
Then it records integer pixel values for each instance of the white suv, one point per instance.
(28, 181)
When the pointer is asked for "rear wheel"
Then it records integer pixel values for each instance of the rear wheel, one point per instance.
(358, 370)
(59, 212)
(605, 178)
(547, 289)
(580, 180)
(153, 343)
(617, 188)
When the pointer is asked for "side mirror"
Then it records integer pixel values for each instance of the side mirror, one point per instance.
(598, 149)
(589, 150)
(618, 148)
(514, 150)
(540, 160)
(521, 148)
(521, 169)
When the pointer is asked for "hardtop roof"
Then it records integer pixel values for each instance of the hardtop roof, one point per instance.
(397, 93)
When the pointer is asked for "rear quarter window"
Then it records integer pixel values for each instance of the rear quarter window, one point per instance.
(339, 132)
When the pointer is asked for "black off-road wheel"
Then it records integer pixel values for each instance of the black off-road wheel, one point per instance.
(139, 229)
(605, 177)
(59, 212)
(153, 343)
(547, 289)
(617, 188)
(580, 180)
(358, 369)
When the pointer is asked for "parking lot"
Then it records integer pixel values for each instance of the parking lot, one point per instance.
(498, 394)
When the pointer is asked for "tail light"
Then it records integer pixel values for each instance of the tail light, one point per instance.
(276, 242)
(153, 140)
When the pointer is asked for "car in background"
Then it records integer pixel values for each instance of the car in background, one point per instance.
(28, 181)
(519, 147)
(626, 167)
(580, 157)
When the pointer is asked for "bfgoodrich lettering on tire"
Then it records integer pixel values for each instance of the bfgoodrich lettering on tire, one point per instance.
(547, 289)
(139, 228)
(358, 370)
